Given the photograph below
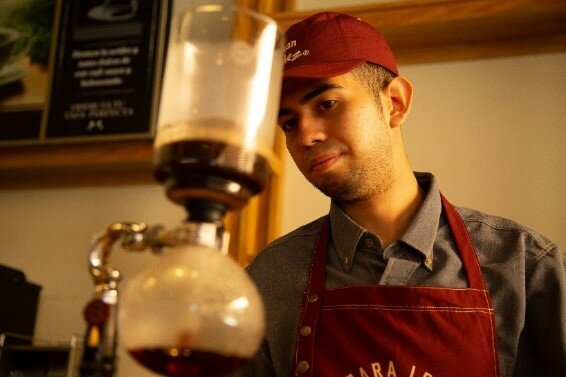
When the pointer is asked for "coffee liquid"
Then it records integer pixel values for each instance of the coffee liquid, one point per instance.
(214, 168)
(182, 362)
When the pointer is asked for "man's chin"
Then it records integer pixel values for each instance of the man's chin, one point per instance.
(333, 189)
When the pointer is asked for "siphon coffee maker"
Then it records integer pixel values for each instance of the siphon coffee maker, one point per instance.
(194, 311)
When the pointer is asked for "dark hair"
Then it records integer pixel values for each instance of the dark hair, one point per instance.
(373, 77)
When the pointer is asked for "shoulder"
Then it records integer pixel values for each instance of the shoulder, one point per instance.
(311, 229)
(504, 228)
(288, 246)
(501, 237)
(282, 268)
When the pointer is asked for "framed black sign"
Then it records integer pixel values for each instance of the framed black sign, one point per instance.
(106, 70)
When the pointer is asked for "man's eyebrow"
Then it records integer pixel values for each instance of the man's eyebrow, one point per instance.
(311, 94)
(319, 90)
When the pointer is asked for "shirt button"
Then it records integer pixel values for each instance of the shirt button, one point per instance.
(306, 330)
(312, 298)
(303, 367)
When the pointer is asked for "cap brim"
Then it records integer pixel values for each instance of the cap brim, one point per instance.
(329, 69)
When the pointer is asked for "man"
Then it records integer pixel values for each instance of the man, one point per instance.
(394, 281)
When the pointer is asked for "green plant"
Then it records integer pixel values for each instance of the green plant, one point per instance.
(35, 18)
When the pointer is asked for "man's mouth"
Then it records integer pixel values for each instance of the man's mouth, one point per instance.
(323, 161)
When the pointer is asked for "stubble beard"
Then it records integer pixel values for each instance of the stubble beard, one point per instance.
(341, 188)
(369, 178)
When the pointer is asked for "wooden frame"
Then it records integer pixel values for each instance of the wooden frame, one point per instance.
(422, 31)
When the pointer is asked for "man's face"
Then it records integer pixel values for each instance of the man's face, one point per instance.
(338, 136)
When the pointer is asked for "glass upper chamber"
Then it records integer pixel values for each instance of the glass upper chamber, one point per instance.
(219, 104)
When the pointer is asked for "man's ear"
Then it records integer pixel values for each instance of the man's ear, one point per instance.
(400, 93)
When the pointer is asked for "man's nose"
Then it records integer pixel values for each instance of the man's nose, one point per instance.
(312, 130)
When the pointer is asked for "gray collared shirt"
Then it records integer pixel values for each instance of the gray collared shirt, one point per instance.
(524, 272)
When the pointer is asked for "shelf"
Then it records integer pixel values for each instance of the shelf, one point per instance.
(98, 164)
(441, 30)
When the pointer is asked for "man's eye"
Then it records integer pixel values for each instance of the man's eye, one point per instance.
(288, 124)
(327, 104)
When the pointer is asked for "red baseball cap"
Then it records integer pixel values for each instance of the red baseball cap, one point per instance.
(329, 44)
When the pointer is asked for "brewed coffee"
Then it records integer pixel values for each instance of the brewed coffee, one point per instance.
(182, 362)
(215, 168)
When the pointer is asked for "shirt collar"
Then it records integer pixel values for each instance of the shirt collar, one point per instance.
(346, 234)
(420, 235)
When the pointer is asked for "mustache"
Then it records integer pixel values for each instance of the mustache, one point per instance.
(331, 147)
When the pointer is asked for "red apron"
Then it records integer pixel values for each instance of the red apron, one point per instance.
(397, 331)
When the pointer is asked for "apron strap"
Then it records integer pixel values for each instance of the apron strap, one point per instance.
(464, 245)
